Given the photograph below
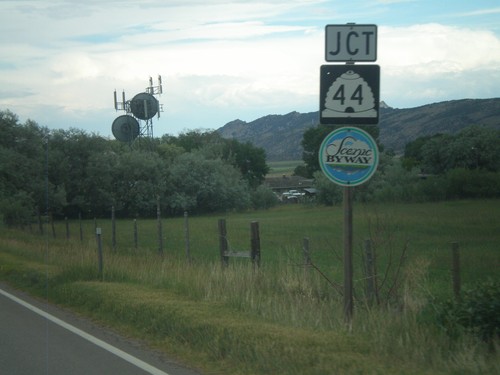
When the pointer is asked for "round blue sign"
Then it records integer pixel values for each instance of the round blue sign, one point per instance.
(348, 156)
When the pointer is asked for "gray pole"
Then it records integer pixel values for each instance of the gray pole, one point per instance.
(348, 299)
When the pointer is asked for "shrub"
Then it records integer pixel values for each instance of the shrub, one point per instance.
(17, 210)
(263, 197)
(328, 193)
(478, 311)
(472, 183)
(206, 185)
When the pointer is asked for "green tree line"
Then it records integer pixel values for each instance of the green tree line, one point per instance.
(71, 173)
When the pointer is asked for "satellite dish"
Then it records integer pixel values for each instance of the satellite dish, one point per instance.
(125, 128)
(144, 106)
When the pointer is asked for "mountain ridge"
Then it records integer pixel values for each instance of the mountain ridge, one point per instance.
(281, 135)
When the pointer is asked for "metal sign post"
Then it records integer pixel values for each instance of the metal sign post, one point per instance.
(348, 270)
(349, 95)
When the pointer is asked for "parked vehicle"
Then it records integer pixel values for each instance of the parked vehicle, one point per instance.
(292, 195)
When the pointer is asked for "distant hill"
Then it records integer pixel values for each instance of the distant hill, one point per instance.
(281, 135)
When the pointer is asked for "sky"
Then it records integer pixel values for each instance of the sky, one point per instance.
(62, 60)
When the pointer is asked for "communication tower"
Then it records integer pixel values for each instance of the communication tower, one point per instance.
(141, 108)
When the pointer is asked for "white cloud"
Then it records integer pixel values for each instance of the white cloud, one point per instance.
(479, 12)
(439, 45)
(394, 1)
(433, 62)
(219, 60)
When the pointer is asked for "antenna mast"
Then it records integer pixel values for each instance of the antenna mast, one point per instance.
(143, 107)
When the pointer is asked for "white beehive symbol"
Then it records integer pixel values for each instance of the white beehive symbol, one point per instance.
(350, 96)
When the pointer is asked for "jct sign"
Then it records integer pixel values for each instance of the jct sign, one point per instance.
(350, 43)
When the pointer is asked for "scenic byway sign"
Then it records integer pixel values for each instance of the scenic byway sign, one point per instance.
(350, 42)
(349, 94)
(348, 156)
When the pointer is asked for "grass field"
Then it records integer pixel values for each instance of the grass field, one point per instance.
(280, 168)
(283, 318)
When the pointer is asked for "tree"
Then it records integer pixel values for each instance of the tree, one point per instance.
(98, 187)
(311, 142)
(169, 151)
(413, 152)
(69, 152)
(475, 147)
(204, 185)
(17, 210)
(22, 170)
(250, 160)
(139, 178)
(301, 170)
(196, 139)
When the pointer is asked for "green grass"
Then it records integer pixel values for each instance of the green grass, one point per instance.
(280, 168)
(283, 318)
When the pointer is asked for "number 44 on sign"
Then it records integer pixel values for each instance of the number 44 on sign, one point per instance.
(349, 94)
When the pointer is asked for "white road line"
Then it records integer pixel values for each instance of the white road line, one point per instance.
(94, 340)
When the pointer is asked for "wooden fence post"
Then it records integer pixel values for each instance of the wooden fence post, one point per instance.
(40, 222)
(136, 235)
(113, 228)
(67, 227)
(99, 252)
(158, 219)
(52, 225)
(81, 226)
(307, 256)
(223, 242)
(370, 273)
(186, 237)
(255, 243)
(455, 269)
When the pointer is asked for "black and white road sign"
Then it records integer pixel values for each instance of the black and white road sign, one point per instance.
(350, 43)
(349, 94)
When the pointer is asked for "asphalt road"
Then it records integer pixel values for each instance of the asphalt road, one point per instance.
(37, 338)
